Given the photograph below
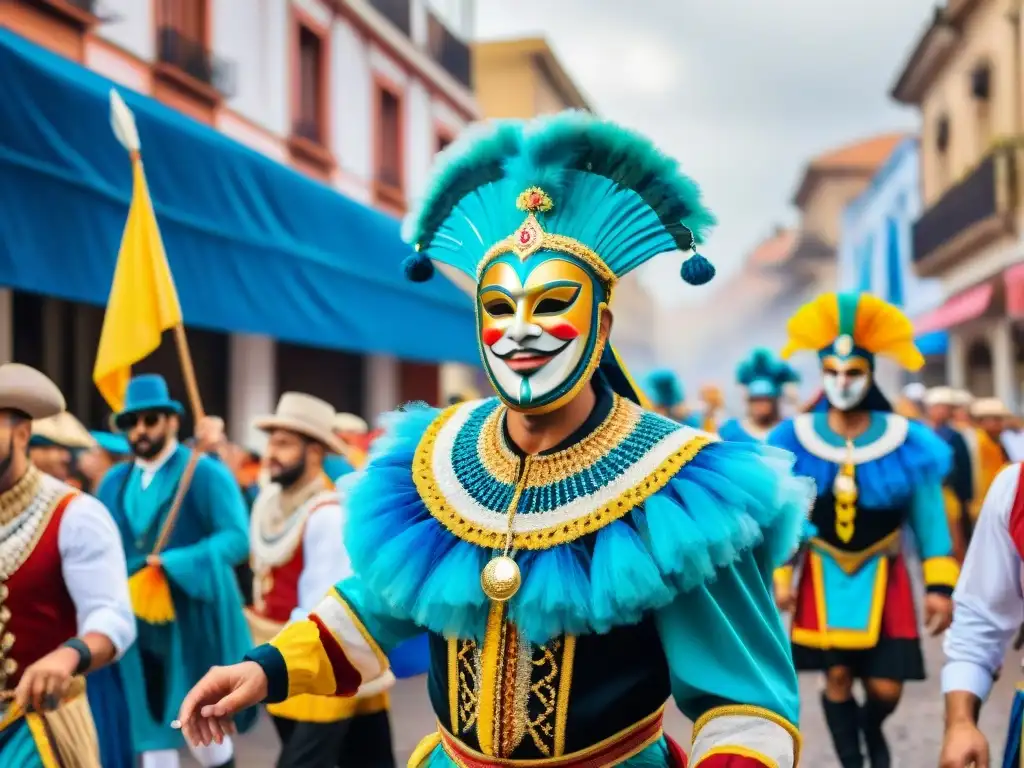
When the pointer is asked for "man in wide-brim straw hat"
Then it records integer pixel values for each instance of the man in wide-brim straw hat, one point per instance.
(297, 556)
(64, 605)
(990, 416)
(54, 442)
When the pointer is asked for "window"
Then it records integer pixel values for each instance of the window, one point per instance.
(187, 17)
(981, 93)
(389, 147)
(309, 118)
(942, 170)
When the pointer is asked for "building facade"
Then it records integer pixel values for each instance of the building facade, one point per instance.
(358, 95)
(523, 78)
(964, 77)
(875, 255)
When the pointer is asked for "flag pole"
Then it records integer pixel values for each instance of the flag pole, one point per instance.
(123, 123)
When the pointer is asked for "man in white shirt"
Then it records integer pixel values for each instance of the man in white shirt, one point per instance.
(297, 556)
(64, 604)
(989, 608)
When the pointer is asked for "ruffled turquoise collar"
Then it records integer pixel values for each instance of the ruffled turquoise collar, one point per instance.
(608, 529)
(891, 458)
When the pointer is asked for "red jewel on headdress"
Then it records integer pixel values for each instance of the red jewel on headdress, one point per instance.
(525, 236)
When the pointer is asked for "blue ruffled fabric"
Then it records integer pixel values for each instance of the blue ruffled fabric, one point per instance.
(885, 482)
(729, 498)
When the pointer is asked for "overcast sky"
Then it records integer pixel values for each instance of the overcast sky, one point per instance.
(742, 92)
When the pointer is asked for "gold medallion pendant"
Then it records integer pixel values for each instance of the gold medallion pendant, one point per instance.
(500, 578)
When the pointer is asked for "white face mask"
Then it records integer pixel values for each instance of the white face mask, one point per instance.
(846, 385)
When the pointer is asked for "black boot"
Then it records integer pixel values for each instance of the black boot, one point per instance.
(873, 714)
(844, 725)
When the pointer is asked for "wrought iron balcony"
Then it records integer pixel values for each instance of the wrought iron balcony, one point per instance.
(178, 50)
(449, 51)
(971, 214)
(398, 12)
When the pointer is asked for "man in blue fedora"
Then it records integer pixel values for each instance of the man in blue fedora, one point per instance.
(208, 539)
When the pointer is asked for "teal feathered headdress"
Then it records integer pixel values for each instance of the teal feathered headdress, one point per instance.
(569, 183)
(765, 375)
(664, 389)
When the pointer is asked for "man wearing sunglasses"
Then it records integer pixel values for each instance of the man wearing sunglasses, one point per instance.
(208, 539)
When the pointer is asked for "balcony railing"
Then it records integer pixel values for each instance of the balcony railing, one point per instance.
(969, 215)
(398, 12)
(180, 51)
(448, 51)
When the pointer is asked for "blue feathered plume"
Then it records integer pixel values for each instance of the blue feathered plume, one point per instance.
(611, 189)
(664, 388)
(764, 374)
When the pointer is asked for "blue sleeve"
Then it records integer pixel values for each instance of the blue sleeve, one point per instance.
(217, 500)
(726, 645)
(931, 531)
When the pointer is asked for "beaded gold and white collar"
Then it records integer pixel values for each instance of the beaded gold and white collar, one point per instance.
(275, 533)
(469, 478)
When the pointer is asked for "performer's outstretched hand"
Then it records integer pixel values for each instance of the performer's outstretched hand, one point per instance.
(205, 715)
(938, 612)
(964, 747)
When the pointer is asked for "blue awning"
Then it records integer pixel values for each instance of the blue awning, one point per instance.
(254, 246)
(934, 343)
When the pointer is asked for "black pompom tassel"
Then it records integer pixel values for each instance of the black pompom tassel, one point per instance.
(418, 268)
(697, 270)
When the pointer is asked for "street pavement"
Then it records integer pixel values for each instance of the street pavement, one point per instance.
(915, 731)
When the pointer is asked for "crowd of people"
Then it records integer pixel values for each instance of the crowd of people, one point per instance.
(560, 558)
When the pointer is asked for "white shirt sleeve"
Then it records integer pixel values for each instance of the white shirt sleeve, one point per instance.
(93, 564)
(325, 561)
(988, 605)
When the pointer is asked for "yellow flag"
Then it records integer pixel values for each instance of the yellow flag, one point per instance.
(143, 302)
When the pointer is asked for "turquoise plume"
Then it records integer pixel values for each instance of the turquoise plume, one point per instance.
(611, 189)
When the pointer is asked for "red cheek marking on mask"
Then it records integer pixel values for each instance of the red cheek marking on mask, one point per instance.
(563, 331)
(490, 336)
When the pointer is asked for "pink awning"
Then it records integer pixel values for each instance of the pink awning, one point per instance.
(1014, 279)
(958, 309)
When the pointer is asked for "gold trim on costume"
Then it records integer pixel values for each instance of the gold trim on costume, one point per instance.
(847, 639)
(530, 237)
(47, 754)
(434, 499)
(564, 690)
(738, 751)
(424, 749)
(545, 469)
(941, 571)
(382, 657)
(490, 674)
(749, 710)
(568, 759)
(851, 562)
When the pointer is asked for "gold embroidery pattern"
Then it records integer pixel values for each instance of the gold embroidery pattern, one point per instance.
(540, 728)
(467, 670)
(530, 238)
(503, 465)
(437, 504)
